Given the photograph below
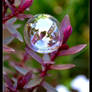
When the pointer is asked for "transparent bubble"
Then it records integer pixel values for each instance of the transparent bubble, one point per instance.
(42, 33)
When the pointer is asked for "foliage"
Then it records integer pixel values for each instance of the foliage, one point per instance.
(27, 71)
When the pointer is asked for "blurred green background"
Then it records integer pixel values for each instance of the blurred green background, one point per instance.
(78, 10)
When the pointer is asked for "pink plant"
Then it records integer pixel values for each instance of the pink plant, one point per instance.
(27, 79)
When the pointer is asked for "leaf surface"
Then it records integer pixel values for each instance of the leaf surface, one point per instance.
(62, 66)
(72, 50)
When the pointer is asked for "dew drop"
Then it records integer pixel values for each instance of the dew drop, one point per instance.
(42, 33)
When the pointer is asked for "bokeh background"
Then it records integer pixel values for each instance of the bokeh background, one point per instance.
(78, 11)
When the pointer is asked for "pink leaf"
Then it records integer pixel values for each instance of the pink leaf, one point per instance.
(32, 83)
(62, 66)
(65, 23)
(19, 68)
(8, 49)
(66, 28)
(7, 37)
(34, 55)
(9, 83)
(67, 33)
(12, 29)
(11, 21)
(23, 16)
(72, 50)
(21, 3)
(48, 87)
(28, 76)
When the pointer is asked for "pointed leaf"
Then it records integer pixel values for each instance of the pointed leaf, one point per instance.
(7, 37)
(28, 76)
(34, 55)
(11, 21)
(20, 69)
(25, 4)
(65, 23)
(8, 49)
(62, 66)
(14, 32)
(72, 50)
(32, 83)
(48, 87)
(66, 28)
(67, 33)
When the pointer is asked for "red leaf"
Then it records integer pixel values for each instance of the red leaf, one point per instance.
(67, 33)
(62, 66)
(65, 23)
(66, 28)
(23, 80)
(72, 50)
(34, 55)
(25, 4)
(8, 49)
(64, 47)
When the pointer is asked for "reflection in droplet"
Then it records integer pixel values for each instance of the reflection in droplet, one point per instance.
(42, 33)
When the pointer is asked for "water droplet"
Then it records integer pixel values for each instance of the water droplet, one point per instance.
(42, 33)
